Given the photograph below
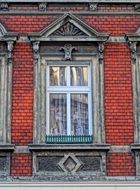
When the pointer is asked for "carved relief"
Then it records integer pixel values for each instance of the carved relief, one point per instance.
(133, 47)
(93, 6)
(36, 51)
(42, 7)
(4, 7)
(68, 29)
(10, 45)
(70, 163)
(100, 51)
(68, 49)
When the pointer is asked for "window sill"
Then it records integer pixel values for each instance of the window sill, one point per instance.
(7, 147)
(43, 147)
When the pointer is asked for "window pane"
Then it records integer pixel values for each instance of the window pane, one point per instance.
(79, 76)
(58, 114)
(79, 114)
(57, 76)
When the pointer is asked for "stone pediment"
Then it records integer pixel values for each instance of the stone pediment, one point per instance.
(133, 37)
(68, 28)
(7, 36)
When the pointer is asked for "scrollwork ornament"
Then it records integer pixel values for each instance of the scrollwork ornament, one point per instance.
(10, 45)
(101, 51)
(36, 52)
(133, 49)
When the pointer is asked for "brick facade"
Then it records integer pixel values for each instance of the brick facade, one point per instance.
(116, 19)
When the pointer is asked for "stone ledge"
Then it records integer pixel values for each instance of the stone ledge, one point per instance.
(135, 146)
(94, 147)
(7, 147)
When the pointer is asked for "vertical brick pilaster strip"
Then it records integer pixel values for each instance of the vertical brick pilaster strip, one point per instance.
(22, 107)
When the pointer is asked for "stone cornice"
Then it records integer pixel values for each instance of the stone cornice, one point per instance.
(70, 1)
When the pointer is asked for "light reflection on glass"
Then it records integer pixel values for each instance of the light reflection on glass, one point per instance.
(57, 76)
(79, 76)
(79, 114)
(58, 114)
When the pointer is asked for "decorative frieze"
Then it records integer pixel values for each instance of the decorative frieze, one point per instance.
(77, 164)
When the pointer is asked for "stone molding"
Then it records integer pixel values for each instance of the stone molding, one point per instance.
(71, 1)
(5, 91)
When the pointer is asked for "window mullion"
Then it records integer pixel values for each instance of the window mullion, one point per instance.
(48, 113)
(68, 103)
(68, 115)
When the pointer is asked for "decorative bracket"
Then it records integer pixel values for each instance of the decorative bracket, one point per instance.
(133, 48)
(101, 51)
(36, 51)
(93, 6)
(68, 49)
(10, 45)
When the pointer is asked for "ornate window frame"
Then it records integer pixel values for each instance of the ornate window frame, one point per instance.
(68, 29)
(57, 37)
(133, 40)
(60, 31)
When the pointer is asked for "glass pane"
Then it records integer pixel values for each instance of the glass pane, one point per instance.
(79, 114)
(57, 76)
(79, 76)
(58, 114)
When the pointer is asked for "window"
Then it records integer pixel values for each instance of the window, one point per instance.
(68, 79)
(69, 98)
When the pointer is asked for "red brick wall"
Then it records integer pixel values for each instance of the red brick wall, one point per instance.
(118, 94)
(119, 124)
(120, 164)
(21, 164)
(22, 95)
